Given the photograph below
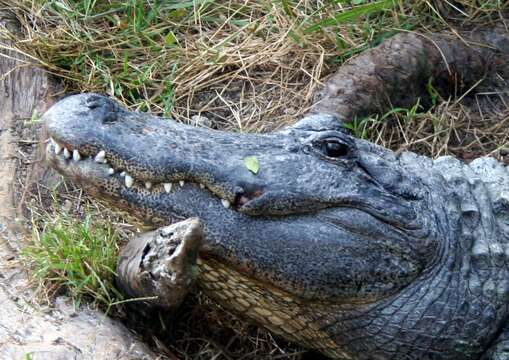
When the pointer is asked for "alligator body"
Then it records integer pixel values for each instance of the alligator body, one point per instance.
(339, 244)
(328, 240)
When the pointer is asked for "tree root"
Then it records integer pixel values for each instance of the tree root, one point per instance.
(400, 70)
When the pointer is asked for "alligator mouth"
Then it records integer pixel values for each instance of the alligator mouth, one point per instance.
(81, 164)
(90, 166)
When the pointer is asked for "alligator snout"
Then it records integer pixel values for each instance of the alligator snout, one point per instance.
(156, 155)
(83, 108)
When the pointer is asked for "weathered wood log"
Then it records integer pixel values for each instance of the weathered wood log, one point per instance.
(398, 72)
(161, 264)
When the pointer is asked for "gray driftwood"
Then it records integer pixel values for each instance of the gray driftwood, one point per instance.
(161, 264)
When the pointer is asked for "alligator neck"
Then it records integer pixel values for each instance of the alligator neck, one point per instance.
(440, 312)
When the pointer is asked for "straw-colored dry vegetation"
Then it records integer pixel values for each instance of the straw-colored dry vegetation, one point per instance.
(244, 66)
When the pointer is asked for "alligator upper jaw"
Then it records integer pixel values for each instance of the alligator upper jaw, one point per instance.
(140, 151)
(131, 149)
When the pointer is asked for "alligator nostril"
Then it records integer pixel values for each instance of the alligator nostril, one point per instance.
(94, 101)
(105, 109)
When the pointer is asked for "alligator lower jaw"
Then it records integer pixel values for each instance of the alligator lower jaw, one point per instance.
(70, 161)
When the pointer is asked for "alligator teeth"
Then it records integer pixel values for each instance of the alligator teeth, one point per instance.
(225, 203)
(128, 181)
(67, 154)
(202, 186)
(167, 187)
(111, 171)
(58, 149)
(148, 185)
(57, 146)
(100, 157)
(182, 182)
(76, 155)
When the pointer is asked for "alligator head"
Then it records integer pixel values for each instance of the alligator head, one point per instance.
(332, 241)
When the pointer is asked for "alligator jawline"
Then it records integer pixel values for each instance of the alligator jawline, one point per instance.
(98, 159)
(72, 157)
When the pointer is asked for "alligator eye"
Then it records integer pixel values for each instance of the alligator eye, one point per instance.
(335, 149)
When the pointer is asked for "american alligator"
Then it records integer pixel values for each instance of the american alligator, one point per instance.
(334, 242)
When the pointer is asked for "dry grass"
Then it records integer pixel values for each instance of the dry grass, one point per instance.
(449, 128)
(245, 66)
(248, 66)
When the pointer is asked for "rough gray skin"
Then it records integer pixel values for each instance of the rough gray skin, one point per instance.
(389, 256)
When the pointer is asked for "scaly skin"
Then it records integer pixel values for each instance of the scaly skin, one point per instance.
(341, 245)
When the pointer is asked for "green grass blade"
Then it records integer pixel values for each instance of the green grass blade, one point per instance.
(78, 256)
(185, 4)
(351, 15)
(287, 9)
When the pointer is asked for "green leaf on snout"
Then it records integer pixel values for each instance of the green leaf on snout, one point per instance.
(252, 164)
